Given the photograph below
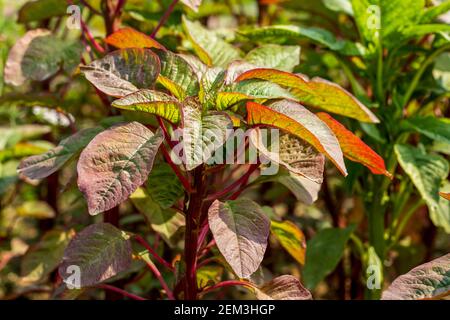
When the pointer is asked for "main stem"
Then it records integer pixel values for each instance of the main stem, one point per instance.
(191, 235)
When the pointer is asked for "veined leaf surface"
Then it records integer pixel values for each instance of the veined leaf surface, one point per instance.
(298, 121)
(116, 163)
(240, 229)
(131, 38)
(124, 71)
(354, 148)
(151, 101)
(99, 252)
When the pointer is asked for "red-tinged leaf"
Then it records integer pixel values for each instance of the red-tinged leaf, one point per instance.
(317, 93)
(124, 71)
(427, 281)
(285, 287)
(297, 120)
(445, 195)
(131, 38)
(96, 254)
(240, 229)
(354, 148)
(116, 163)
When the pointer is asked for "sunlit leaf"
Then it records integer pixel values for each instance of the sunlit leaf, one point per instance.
(240, 229)
(431, 13)
(298, 121)
(285, 287)
(291, 238)
(283, 58)
(131, 38)
(151, 101)
(427, 171)
(44, 257)
(203, 133)
(211, 49)
(41, 166)
(115, 163)
(100, 252)
(317, 93)
(177, 75)
(323, 253)
(427, 281)
(294, 154)
(124, 71)
(165, 221)
(354, 148)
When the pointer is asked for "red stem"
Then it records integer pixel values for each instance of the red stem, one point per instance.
(122, 292)
(237, 183)
(164, 18)
(91, 38)
(183, 179)
(158, 276)
(141, 240)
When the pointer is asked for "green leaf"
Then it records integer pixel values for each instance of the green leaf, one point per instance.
(433, 12)
(240, 229)
(317, 92)
(427, 281)
(177, 75)
(41, 10)
(115, 163)
(396, 16)
(434, 128)
(211, 82)
(284, 58)
(209, 275)
(36, 209)
(203, 133)
(34, 57)
(209, 47)
(323, 253)
(100, 252)
(41, 166)
(291, 238)
(124, 71)
(441, 216)
(164, 186)
(426, 171)
(277, 33)
(424, 29)
(44, 257)
(165, 221)
(153, 102)
(285, 287)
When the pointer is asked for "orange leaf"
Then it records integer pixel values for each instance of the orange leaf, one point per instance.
(131, 38)
(445, 195)
(317, 93)
(354, 148)
(297, 120)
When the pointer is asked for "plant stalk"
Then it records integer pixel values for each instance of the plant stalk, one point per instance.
(191, 235)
